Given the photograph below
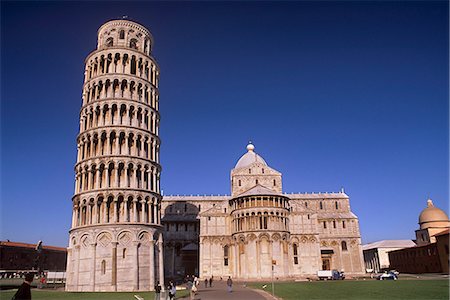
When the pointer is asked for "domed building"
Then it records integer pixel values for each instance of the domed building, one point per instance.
(432, 220)
(431, 254)
(260, 228)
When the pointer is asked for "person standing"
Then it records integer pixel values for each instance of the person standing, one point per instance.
(206, 282)
(173, 290)
(229, 284)
(157, 291)
(210, 281)
(24, 291)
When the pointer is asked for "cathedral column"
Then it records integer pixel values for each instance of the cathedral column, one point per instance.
(161, 260)
(236, 259)
(152, 265)
(200, 256)
(93, 269)
(173, 261)
(258, 259)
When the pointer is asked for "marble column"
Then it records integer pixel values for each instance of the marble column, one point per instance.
(136, 266)
(93, 269)
(114, 266)
(152, 265)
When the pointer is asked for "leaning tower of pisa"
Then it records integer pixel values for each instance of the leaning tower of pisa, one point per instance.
(115, 238)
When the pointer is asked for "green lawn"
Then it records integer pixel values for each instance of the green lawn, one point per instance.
(369, 289)
(55, 295)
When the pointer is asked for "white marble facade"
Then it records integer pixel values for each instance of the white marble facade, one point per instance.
(259, 226)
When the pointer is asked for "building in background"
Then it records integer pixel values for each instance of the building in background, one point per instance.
(376, 257)
(431, 253)
(257, 227)
(115, 241)
(16, 256)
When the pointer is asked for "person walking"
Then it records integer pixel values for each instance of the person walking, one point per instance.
(190, 286)
(211, 281)
(206, 283)
(229, 285)
(24, 291)
(158, 291)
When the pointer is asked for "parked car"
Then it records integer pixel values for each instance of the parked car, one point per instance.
(387, 276)
(330, 275)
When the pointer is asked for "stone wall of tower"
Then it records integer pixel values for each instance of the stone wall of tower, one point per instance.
(115, 238)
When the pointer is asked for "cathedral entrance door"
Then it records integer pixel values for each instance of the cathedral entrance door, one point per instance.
(326, 265)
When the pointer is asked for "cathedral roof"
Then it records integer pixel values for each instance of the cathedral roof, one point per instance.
(259, 190)
(249, 158)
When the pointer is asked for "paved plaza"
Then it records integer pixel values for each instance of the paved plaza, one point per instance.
(219, 291)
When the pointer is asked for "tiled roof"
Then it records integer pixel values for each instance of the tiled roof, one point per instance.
(389, 244)
(336, 215)
(308, 196)
(33, 246)
(195, 198)
(259, 190)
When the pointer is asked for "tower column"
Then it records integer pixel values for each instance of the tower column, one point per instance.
(93, 269)
(136, 265)
(152, 265)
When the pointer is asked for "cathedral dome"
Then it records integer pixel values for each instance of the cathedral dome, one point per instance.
(249, 158)
(431, 215)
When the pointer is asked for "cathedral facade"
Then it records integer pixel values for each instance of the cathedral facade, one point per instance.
(259, 231)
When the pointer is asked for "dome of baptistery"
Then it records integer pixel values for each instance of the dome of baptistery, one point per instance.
(249, 158)
(431, 215)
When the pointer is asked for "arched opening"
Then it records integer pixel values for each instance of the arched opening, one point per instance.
(133, 44)
(133, 65)
(295, 252)
(103, 267)
(344, 245)
(225, 255)
(109, 42)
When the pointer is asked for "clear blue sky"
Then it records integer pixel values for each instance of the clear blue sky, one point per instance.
(332, 94)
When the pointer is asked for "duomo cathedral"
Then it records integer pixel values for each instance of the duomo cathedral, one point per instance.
(125, 236)
(259, 226)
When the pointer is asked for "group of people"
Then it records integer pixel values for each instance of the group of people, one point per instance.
(24, 292)
(171, 288)
(210, 281)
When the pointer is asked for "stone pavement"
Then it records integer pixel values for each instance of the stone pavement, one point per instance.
(219, 292)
